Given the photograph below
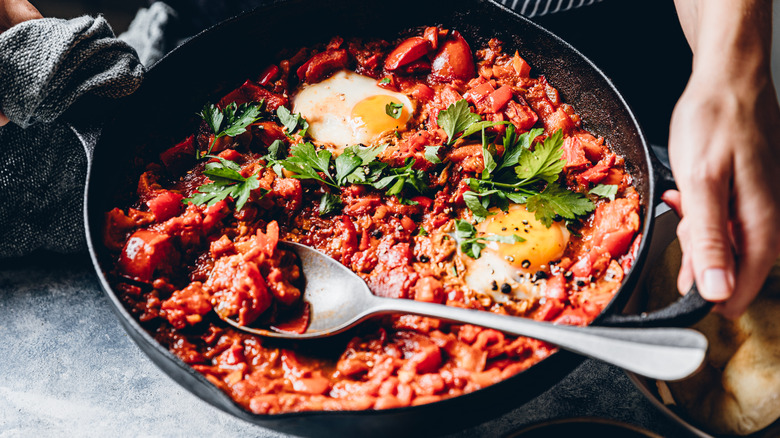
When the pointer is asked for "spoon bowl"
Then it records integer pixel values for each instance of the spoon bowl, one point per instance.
(339, 299)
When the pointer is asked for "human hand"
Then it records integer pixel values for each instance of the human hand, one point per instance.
(13, 12)
(724, 147)
(725, 153)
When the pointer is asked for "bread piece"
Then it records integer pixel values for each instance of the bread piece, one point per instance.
(738, 390)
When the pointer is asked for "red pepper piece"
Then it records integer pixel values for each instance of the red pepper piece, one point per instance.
(165, 205)
(453, 60)
(407, 52)
(269, 74)
(144, 252)
(498, 99)
(323, 64)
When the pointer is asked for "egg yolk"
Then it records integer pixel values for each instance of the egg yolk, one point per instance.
(541, 245)
(371, 114)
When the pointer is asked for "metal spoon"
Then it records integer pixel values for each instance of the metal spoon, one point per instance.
(339, 299)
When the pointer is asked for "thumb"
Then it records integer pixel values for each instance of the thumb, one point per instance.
(13, 12)
(706, 209)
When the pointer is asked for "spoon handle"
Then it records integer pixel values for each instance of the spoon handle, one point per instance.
(659, 353)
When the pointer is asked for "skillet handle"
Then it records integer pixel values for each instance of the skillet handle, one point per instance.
(688, 309)
(684, 312)
(88, 135)
(663, 174)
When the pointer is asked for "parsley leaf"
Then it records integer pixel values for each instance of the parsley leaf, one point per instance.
(346, 163)
(329, 203)
(488, 153)
(292, 122)
(274, 155)
(432, 154)
(555, 199)
(472, 245)
(384, 81)
(514, 145)
(544, 162)
(227, 182)
(394, 110)
(481, 126)
(456, 118)
(519, 176)
(605, 191)
(366, 154)
(231, 121)
(402, 177)
(305, 161)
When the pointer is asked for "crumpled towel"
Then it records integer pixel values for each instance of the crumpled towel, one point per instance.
(45, 66)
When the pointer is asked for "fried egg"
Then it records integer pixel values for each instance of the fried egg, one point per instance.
(514, 264)
(349, 108)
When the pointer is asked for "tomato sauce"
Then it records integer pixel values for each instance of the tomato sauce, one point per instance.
(180, 265)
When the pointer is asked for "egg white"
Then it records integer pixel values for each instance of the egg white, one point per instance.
(328, 107)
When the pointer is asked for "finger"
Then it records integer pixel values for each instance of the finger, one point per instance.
(705, 208)
(685, 276)
(672, 199)
(13, 12)
(756, 253)
(3, 119)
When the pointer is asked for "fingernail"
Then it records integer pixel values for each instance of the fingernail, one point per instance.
(717, 285)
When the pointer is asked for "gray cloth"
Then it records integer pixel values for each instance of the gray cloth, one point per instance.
(46, 66)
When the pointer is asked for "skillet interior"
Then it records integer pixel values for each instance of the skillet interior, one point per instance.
(220, 59)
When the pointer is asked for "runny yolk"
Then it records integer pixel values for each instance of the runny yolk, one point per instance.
(371, 114)
(541, 245)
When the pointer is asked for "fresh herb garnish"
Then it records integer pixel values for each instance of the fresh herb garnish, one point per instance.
(400, 178)
(557, 200)
(329, 203)
(274, 156)
(472, 245)
(394, 110)
(231, 121)
(456, 118)
(292, 122)
(605, 191)
(432, 154)
(305, 162)
(226, 181)
(356, 165)
(384, 81)
(525, 176)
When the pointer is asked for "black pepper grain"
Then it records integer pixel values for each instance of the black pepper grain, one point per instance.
(540, 275)
(424, 259)
(568, 275)
(376, 233)
(493, 285)
(580, 283)
(506, 288)
(525, 264)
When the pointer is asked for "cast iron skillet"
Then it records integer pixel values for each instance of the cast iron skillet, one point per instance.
(220, 59)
